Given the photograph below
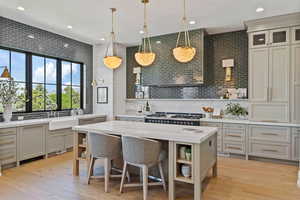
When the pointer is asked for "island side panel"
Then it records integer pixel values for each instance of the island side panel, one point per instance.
(208, 155)
(75, 152)
(171, 170)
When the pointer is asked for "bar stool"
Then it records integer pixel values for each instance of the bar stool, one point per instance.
(142, 153)
(107, 147)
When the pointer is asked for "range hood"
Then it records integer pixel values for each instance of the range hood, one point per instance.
(166, 71)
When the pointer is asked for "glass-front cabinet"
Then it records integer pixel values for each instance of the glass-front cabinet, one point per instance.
(275, 37)
(259, 39)
(296, 35)
(279, 37)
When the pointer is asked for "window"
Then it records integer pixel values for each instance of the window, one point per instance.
(16, 63)
(71, 90)
(50, 83)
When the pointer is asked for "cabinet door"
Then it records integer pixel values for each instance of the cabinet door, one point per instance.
(69, 141)
(296, 145)
(279, 74)
(296, 35)
(259, 39)
(32, 141)
(279, 37)
(56, 143)
(258, 74)
(296, 83)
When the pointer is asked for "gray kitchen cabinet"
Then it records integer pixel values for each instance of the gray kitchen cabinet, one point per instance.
(296, 35)
(296, 144)
(59, 140)
(220, 134)
(32, 141)
(270, 142)
(295, 82)
(8, 146)
(234, 138)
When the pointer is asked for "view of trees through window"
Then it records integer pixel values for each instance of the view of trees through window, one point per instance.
(44, 86)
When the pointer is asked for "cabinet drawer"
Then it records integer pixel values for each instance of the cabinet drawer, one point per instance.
(7, 131)
(8, 141)
(234, 147)
(8, 155)
(234, 134)
(279, 151)
(234, 126)
(271, 134)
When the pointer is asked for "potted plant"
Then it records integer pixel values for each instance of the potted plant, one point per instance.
(8, 97)
(188, 154)
(235, 110)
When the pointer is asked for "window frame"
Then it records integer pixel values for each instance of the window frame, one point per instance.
(29, 83)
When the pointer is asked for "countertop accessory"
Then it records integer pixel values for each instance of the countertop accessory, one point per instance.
(8, 96)
(186, 171)
(235, 111)
(111, 60)
(186, 52)
(145, 57)
(208, 112)
(182, 151)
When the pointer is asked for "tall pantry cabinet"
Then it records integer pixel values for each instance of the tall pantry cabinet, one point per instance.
(274, 73)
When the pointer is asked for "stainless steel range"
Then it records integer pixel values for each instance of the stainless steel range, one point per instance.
(188, 119)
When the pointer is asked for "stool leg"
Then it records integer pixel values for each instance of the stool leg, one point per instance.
(162, 176)
(107, 168)
(91, 169)
(123, 176)
(145, 181)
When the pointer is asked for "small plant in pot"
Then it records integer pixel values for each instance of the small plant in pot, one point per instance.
(236, 111)
(188, 154)
(8, 97)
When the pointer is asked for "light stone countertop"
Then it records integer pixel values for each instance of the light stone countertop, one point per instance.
(178, 133)
(13, 124)
(223, 120)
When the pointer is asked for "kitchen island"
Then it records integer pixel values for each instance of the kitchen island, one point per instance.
(202, 141)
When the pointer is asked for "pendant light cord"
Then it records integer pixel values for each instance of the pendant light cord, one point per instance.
(185, 28)
(146, 38)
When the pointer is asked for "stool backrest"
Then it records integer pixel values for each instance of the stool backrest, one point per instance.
(140, 150)
(103, 145)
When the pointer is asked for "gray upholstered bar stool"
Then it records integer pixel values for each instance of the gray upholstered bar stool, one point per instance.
(107, 147)
(142, 153)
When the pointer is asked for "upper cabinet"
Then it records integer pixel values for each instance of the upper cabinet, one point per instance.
(274, 37)
(296, 35)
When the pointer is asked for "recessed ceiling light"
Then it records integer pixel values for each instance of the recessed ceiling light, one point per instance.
(20, 8)
(142, 32)
(192, 22)
(260, 9)
(102, 39)
(69, 27)
(30, 36)
(66, 45)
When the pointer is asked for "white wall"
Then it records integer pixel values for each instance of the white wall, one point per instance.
(181, 105)
(115, 80)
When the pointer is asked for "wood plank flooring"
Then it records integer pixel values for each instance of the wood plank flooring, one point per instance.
(52, 179)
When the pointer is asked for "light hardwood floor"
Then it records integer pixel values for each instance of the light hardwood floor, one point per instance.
(52, 179)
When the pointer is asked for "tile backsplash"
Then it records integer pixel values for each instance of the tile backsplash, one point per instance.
(216, 48)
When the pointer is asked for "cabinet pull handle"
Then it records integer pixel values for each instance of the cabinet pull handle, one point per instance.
(268, 96)
(274, 134)
(237, 136)
(235, 148)
(6, 143)
(270, 150)
(270, 93)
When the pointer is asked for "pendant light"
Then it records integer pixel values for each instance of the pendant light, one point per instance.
(184, 53)
(111, 60)
(145, 57)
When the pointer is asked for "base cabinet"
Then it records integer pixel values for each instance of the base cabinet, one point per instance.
(32, 141)
(8, 146)
(59, 140)
(296, 144)
(220, 133)
(234, 138)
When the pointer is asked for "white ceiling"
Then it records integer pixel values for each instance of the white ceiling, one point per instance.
(91, 18)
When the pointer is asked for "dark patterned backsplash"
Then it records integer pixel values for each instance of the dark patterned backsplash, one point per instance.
(216, 48)
(15, 35)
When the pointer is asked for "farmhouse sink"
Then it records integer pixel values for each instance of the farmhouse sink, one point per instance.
(62, 123)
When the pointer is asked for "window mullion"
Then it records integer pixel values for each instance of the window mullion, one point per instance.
(58, 85)
(29, 82)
